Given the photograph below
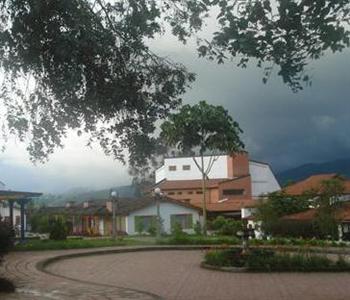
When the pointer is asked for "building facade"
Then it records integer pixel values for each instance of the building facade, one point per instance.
(234, 181)
(133, 216)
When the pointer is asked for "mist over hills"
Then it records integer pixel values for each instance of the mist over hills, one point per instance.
(83, 194)
(339, 166)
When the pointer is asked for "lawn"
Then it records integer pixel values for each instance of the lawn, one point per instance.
(34, 245)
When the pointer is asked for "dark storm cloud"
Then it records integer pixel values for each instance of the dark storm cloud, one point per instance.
(281, 127)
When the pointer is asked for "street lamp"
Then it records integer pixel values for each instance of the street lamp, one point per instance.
(114, 196)
(158, 194)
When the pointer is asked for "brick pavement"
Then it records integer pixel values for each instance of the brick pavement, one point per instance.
(165, 274)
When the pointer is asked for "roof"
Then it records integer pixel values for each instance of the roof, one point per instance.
(313, 183)
(342, 213)
(307, 215)
(98, 207)
(13, 195)
(230, 205)
(188, 184)
(194, 183)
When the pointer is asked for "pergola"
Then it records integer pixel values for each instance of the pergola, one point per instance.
(22, 198)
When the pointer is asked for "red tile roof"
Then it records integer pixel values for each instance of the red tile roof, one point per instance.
(188, 184)
(230, 205)
(193, 184)
(307, 215)
(342, 214)
(313, 183)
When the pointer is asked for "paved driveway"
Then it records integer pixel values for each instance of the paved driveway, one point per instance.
(168, 275)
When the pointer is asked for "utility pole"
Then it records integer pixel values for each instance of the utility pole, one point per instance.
(114, 195)
(158, 194)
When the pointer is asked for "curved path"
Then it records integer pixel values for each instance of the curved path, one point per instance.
(170, 274)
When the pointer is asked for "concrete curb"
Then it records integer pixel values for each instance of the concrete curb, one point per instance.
(225, 269)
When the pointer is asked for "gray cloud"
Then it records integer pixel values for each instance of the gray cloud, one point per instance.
(280, 127)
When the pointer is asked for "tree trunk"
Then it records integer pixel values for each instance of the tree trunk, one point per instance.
(204, 203)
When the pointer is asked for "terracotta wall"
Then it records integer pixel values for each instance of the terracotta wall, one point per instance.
(241, 183)
(193, 198)
(238, 165)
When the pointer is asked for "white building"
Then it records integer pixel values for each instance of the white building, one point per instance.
(234, 182)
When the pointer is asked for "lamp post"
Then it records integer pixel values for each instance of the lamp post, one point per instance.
(158, 194)
(114, 196)
(245, 235)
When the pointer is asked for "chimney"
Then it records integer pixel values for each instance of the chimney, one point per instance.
(238, 165)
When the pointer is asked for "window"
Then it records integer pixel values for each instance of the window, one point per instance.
(172, 168)
(171, 193)
(186, 167)
(190, 192)
(179, 193)
(233, 192)
(199, 192)
(145, 223)
(184, 220)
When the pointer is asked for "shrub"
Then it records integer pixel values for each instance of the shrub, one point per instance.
(197, 227)
(262, 260)
(139, 227)
(7, 235)
(225, 258)
(152, 229)
(6, 286)
(40, 223)
(58, 230)
(295, 229)
(224, 226)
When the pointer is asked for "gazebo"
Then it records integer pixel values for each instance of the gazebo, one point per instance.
(22, 198)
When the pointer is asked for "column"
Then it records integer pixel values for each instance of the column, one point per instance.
(11, 211)
(22, 203)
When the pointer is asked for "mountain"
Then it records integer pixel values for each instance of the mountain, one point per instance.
(340, 166)
(82, 194)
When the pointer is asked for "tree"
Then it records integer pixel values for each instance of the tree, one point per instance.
(86, 64)
(277, 205)
(203, 129)
(327, 201)
(285, 34)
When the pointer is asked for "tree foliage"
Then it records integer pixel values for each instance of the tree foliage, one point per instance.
(7, 235)
(86, 64)
(277, 205)
(327, 202)
(286, 34)
(202, 127)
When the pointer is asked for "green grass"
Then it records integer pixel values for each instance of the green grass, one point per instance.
(35, 245)
(199, 240)
(181, 239)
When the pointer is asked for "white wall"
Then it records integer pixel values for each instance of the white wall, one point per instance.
(219, 169)
(166, 210)
(5, 211)
(160, 174)
(263, 180)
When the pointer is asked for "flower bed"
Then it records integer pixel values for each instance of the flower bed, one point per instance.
(262, 260)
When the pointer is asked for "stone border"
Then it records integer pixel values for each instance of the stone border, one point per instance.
(224, 269)
(42, 265)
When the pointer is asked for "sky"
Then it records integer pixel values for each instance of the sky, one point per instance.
(280, 127)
